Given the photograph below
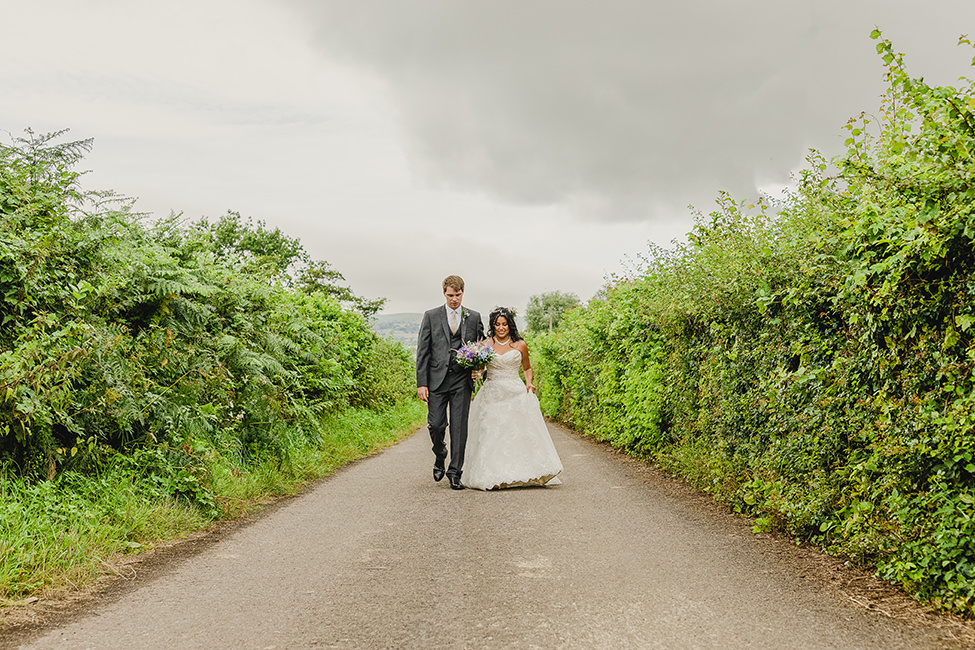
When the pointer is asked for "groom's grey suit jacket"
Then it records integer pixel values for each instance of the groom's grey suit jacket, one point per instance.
(433, 350)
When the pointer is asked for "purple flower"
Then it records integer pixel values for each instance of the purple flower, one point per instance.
(474, 355)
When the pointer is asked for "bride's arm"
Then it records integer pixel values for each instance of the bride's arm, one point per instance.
(526, 364)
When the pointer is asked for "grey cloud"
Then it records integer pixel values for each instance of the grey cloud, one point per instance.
(634, 107)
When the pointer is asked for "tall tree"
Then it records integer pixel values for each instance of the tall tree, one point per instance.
(232, 235)
(320, 277)
(545, 310)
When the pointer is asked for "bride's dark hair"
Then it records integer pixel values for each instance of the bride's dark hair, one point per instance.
(509, 316)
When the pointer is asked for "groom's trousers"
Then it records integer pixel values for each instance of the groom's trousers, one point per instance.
(454, 394)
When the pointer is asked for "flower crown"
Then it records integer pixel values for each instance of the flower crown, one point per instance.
(503, 310)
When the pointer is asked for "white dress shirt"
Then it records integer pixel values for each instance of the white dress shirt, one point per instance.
(454, 313)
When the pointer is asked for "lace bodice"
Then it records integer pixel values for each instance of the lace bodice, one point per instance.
(508, 443)
(505, 366)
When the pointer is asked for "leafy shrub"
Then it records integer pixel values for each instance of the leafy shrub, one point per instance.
(812, 367)
(154, 376)
(168, 341)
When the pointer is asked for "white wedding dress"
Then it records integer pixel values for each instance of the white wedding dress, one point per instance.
(508, 444)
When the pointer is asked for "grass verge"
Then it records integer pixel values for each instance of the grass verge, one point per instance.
(62, 534)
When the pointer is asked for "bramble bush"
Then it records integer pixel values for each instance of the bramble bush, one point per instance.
(810, 362)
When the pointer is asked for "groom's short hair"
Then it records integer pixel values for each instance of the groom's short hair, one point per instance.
(455, 282)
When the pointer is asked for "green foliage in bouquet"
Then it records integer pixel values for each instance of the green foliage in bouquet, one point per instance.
(810, 362)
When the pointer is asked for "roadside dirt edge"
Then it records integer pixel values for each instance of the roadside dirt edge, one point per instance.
(124, 574)
(834, 575)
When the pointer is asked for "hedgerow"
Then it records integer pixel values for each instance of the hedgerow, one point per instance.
(810, 362)
(178, 342)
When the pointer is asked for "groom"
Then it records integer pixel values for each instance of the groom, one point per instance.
(441, 382)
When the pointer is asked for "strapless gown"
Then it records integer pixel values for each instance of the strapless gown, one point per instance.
(508, 444)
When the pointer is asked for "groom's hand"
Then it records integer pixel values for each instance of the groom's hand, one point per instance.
(423, 393)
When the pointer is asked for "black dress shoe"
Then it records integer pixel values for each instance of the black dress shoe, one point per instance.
(455, 483)
(437, 473)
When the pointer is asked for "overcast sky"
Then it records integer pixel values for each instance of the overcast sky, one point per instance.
(527, 146)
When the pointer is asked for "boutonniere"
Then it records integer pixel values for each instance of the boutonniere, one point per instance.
(464, 313)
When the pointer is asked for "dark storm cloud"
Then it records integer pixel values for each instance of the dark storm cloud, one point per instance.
(625, 109)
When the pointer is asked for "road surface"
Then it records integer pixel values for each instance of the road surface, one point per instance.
(380, 556)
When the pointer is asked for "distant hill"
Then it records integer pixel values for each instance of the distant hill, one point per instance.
(401, 327)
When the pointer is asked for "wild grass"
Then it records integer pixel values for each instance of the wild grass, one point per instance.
(345, 437)
(64, 533)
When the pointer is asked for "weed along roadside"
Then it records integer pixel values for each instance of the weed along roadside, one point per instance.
(76, 529)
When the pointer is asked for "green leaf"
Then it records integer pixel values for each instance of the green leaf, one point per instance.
(964, 321)
(951, 338)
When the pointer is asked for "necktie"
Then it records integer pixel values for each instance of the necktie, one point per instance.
(453, 322)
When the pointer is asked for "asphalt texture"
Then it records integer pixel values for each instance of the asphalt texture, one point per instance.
(380, 556)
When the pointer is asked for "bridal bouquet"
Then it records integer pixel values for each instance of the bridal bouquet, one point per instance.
(475, 355)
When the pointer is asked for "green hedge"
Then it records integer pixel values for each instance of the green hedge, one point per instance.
(169, 339)
(811, 363)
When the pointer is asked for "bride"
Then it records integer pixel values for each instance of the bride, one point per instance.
(508, 444)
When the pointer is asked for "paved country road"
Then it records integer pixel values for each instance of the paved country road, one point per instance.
(380, 556)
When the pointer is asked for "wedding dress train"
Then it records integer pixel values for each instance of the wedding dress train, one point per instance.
(508, 444)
